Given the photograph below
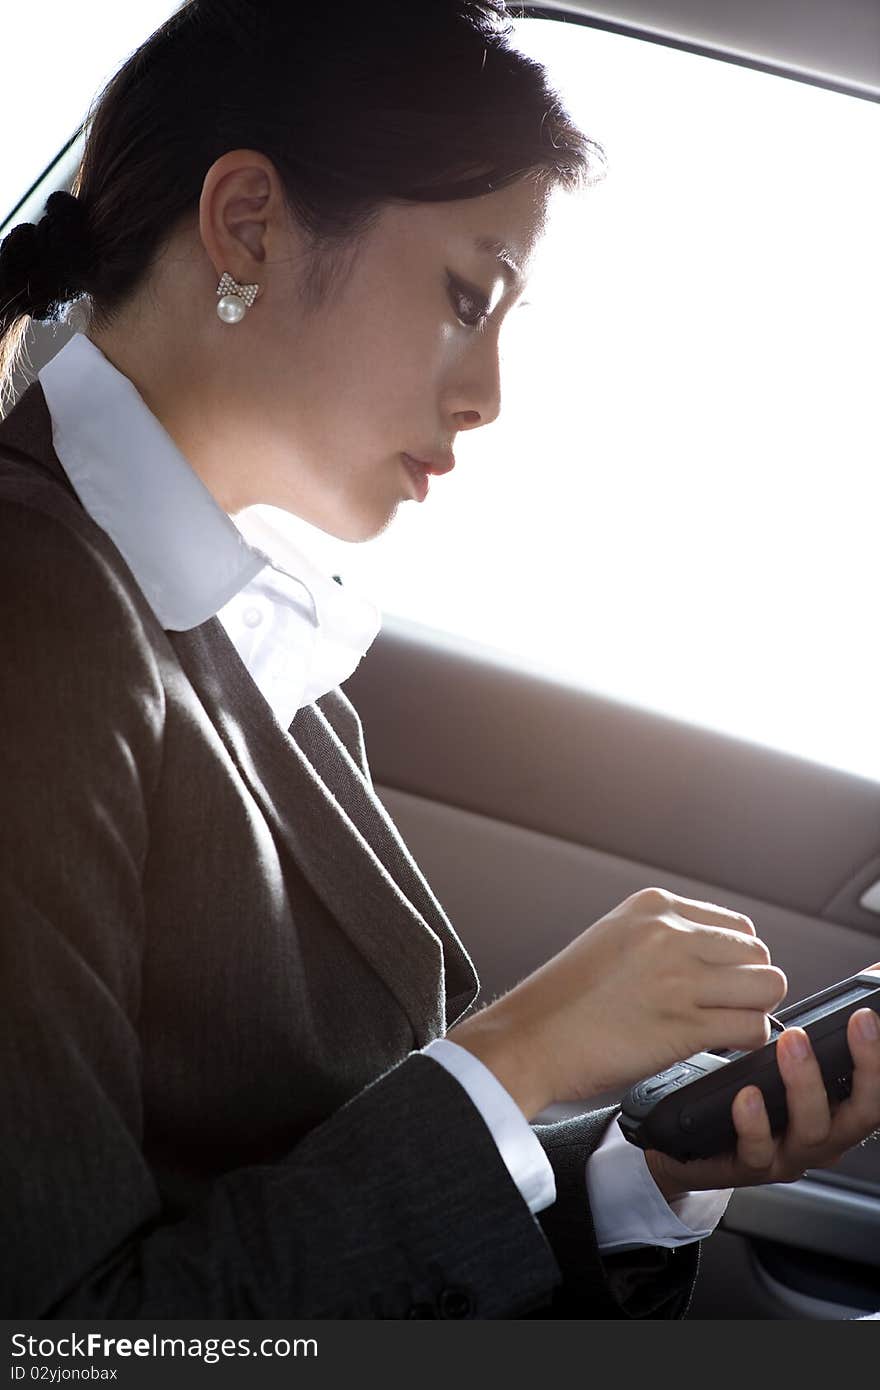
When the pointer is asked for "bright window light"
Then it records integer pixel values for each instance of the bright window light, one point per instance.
(679, 505)
(75, 50)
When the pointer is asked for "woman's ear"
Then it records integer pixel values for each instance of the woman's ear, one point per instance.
(241, 213)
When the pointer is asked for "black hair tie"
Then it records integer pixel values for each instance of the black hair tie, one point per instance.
(49, 262)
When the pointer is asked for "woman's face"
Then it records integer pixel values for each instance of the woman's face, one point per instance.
(397, 362)
(314, 409)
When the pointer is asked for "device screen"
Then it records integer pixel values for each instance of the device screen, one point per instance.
(859, 992)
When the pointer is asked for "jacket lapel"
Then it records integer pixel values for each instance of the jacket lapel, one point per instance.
(316, 734)
(318, 807)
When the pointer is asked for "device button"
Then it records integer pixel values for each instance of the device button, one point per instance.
(649, 1090)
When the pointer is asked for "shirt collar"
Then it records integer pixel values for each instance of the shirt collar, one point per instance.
(186, 553)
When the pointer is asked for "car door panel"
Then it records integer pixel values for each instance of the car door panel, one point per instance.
(475, 729)
(533, 808)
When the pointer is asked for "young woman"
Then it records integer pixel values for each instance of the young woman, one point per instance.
(231, 1085)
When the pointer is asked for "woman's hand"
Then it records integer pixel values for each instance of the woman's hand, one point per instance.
(817, 1135)
(658, 978)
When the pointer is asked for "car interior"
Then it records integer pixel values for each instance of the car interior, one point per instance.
(474, 700)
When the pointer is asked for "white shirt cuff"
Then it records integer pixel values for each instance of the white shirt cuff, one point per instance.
(628, 1208)
(514, 1137)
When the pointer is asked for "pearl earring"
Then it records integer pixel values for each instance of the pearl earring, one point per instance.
(233, 299)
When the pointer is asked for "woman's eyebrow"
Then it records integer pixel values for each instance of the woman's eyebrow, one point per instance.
(501, 253)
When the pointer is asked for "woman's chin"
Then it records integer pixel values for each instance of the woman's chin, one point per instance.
(368, 526)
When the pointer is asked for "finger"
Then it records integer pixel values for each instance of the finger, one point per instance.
(756, 1148)
(712, 915)
(859, 1116)
(741, 987)
(809, 1114)
(741, 1030)
(721, 946)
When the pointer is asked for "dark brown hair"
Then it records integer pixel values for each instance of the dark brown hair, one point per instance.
(357, 105)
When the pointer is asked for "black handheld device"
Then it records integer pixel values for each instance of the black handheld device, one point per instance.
(684, 1111)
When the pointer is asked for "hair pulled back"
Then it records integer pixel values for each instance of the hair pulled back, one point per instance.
(357, 105)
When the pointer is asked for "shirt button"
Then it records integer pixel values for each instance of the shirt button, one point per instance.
(252, 617)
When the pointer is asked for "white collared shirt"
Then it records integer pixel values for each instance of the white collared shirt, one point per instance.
(300, 634)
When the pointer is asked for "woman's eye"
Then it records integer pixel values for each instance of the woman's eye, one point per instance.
(471, 307)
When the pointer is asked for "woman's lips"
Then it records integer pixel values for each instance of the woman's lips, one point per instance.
(434, 463)
(420, 469)
(418, 476)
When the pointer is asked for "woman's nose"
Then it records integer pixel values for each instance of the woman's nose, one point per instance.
(478, 399)
(468, 419)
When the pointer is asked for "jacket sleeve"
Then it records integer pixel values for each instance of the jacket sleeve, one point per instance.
(651, 1282)
(397, 1205)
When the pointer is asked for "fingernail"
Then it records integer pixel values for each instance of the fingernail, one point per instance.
(868, 1025)
(797, 1046)
(753, 1102)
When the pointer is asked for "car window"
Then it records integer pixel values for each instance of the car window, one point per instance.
(678, 503)
(47, 88)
